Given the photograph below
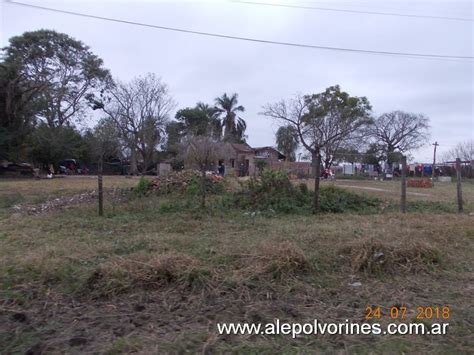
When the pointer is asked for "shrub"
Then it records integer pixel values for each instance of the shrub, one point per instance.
(274, 191)
(261, 165)
(142, 187)
(303, 187)
(336, 200)
(212, 186)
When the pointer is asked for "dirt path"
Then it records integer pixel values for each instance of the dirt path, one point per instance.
(66, 201)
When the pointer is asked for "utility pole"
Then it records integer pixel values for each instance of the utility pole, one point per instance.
(434, 159)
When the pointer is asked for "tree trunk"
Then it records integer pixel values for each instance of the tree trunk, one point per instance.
(133, 162)
(100, 186)
(203, 189)
(317, 162)
(146, 163)
(390, 157)
(327, 163)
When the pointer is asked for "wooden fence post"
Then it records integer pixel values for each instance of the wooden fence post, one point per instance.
(458, 184)
(317, 178)
(403, 197)
(101, 189)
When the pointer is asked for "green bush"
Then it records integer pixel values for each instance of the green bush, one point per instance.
(303, 187)
(142, 187)
(336, 200)
(274, 191)
(212, 187)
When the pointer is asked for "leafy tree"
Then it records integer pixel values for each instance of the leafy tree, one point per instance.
(287, 141)
(329, 119)
(198, 121)
(234, 126)
(103, 142)
(16, 112)
(212, 115)
(336, 120)
(399, 132)
(372, 155)
(64, 73)
(53, 144)
(174, 134)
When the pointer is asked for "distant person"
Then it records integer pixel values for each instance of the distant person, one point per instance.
(241, 169)
(221, 170)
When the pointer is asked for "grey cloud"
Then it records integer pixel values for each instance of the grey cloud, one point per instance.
(201, 68)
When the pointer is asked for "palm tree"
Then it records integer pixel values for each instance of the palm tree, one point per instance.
(234, 126)
(212, 114)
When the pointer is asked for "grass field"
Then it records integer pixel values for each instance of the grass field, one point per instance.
(36, 191)
(151, 277)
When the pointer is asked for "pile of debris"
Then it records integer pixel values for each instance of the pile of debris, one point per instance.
(68, 201)
(420, 183)
(179, 181)
(55, 204)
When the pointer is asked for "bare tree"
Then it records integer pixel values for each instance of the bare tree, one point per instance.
(140, 109)
(463, 151)
(400, 132)
(201, 153)
(322, 120)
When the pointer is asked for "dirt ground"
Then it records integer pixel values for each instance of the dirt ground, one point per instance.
(149, 277)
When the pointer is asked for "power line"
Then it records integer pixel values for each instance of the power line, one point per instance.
(256, 40)
(317, 8)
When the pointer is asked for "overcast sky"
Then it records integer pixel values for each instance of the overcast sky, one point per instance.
(198, 68)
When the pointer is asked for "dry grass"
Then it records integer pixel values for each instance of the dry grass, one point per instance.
(277, 260)
(143, 271)
(161, 281)
(372, 256)
(32, 190)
